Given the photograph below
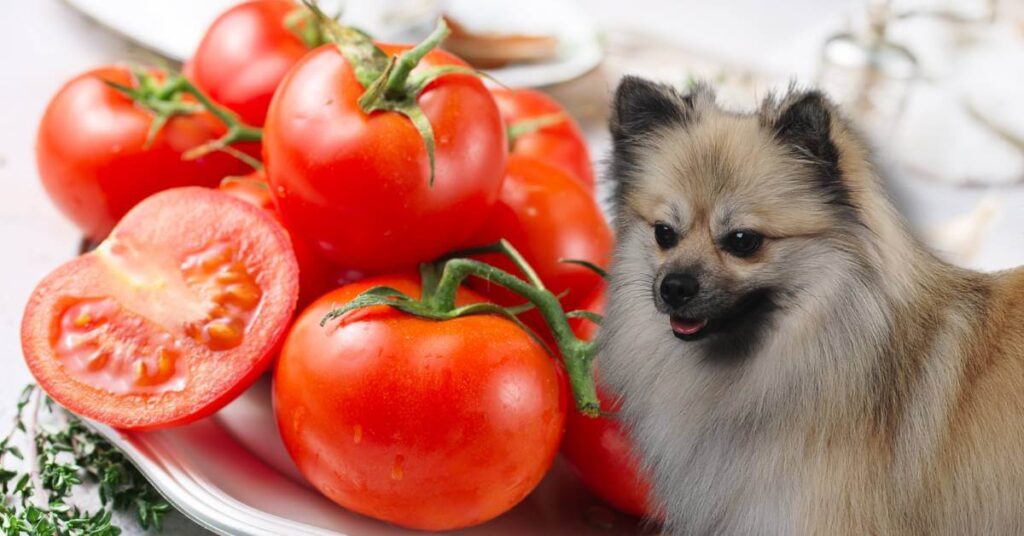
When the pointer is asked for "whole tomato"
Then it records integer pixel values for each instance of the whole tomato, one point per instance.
(245, 54)
(560, 144)
(358, 184)
(549, 217)
(427, 424)
(599, 450)
(316, 276)
(94, 159)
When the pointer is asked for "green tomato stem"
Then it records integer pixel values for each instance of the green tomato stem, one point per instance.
(305, 25)
(533, 124)
(505, 248)
(164, 100)
(438, 297)
(395, 88)
(577, 355)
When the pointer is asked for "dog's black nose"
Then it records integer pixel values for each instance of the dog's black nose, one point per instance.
(677, 289)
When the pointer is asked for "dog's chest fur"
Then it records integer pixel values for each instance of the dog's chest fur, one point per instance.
(736, 450)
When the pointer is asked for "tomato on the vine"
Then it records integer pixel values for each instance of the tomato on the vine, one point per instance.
(599, 450)
(427, 424)
(316, 275)
(550, 218)
(96, 160)
(557, 140)
(245, 54)
(169, 318)
(360, 185)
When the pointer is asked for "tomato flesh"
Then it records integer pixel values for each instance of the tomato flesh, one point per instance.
(170, 317)
(316, 275)
(102, 344)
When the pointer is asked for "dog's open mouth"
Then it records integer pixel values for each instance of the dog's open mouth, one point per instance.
(688, 329)
(746, 315)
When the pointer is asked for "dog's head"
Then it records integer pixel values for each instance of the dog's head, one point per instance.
(724, 217)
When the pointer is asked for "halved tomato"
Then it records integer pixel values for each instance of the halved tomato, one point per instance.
(172, 316)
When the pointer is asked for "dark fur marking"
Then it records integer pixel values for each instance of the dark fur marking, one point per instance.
(805, 125)
(639, 108)
(734, 336)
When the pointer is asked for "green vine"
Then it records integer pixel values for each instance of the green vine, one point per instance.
(441, 282)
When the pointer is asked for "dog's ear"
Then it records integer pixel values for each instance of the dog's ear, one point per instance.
(803, 121)
(641, 106)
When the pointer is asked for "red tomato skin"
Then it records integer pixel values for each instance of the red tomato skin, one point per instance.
(561, 145)
(548, 216)
(159, 220)
(428, 425)
(316, 275)
(599, 450)
(244, 55)
(93, 160)
(357, 185)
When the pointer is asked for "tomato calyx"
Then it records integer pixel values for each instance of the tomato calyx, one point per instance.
(305, 25)
(440, 283)
(388, 81)
(533, 124)
(174, 95)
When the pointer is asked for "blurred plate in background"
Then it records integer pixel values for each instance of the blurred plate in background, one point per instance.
(174, 28)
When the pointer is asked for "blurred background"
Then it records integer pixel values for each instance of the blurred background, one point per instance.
(935, 84)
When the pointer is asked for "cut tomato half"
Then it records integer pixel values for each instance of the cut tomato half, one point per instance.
(172, 316)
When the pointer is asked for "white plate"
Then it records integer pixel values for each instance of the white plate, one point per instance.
(173, 28)
(231, 474)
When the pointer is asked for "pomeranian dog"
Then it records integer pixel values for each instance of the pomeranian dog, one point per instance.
(790, 359)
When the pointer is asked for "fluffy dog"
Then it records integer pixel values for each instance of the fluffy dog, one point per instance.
(791, 360)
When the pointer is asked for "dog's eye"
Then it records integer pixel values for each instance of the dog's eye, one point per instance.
(742, 243)
(665, 236)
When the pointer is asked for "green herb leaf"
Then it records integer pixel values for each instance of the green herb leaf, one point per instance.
(67, 453)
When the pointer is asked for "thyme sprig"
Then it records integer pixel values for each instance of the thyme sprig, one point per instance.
(38, 488)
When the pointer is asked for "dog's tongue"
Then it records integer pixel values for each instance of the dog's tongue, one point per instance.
(687, 327)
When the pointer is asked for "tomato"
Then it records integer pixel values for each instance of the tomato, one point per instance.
(93, 158)
(244, 55)
(358, 185)
(599, 450)
(316, 276)
(425, 424)
(170, 318)
(562, 144)
(548, 216)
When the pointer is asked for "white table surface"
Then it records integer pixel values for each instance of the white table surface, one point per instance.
(43, 43)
